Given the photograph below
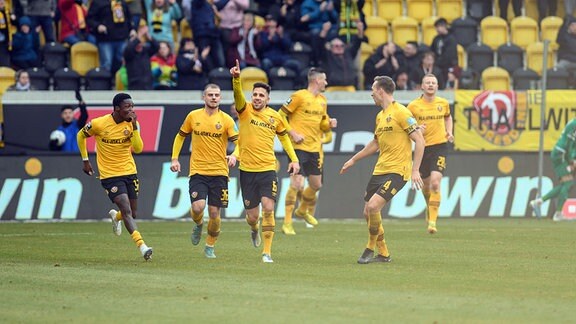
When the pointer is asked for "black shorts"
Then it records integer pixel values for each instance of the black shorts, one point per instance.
(434, 159)
(385, 185)
(116, 186)
(310, 162)
(256, 185)
(213, 187)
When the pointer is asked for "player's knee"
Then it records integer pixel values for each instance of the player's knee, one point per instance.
(372, 208)
(214, 214)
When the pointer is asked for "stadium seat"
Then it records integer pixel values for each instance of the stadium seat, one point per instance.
(98, 79)
(535, 56)
(250, 75)
(66, 79)
(404, 29)
(221, 77)
(469, 79)
(341, 88)
(420, 9)
(531, 9)
(465, 30)
(369, 9)
(377, 31)
(428, 30)
(185, 29)
(523, 31)
(549, 29)
(301, 52)
(390, 9)
(478, 9)
(461, 56)
(449, 9)
(39, 78)
(557, 78)
(510, 57)
(494, 31)
(496, 79)
(525, 79)
(54, 56)
(282, 78)
(480, 57)
(7, 76)
(83, 57)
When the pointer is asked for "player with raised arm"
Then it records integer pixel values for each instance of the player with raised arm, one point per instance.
(434, 119)
(259, 124)
(395, 128)
(210, 129)
(117, 135)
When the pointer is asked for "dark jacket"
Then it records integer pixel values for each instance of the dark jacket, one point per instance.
(275, 49)
(566, 41)
(24, 46)
(138, 64)
(341, 70)
(202, 20)
(370, 71)
(71, 129)
(444, 47)
(100, 13)
(188, 79)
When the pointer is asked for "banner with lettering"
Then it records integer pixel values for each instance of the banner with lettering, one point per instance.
(510, 120)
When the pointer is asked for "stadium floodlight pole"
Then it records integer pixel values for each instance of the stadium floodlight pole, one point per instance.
(543, 86)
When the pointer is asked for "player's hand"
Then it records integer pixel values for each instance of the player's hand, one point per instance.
(347, 166)
(132, 118)
(422, 128)
(175, 166)
(296, 137)
(87, 168)
(235, 70)
(417, 182)
(450, 137)
(294, 168)
(333, 122)
(231, 160)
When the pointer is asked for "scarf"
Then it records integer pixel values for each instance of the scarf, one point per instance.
(22, 87)
(242, 45)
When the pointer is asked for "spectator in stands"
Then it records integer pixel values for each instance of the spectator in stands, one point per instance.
(136, 10)
(386, 60)
(7, 19)
(547, 8)
(322, 20)
(206, 33)
(351, 19)
(111, 23)
(24, 46)
(160, 14)
(192, 66)
(411, 56)
(244, 44)
(444, 47)
(339, 63)
(452, 81)
(516, 5)
(73, 26)
(276, 47)
(70, 126)
(402, 80)
(426, 66)
(266, 7)
(289, 19)
(163, 68)
(569, 6)
(231, 17)
(137, 55)
(41, 13)
(21, 82)
(567, 46)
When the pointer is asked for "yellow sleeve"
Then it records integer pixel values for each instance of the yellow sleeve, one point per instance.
(239, 99)
(284, 118)
(136, 140)
(325, 123)
(327, 138)
(81, 139)
(236, 152)
(287, 145)
(177, 146)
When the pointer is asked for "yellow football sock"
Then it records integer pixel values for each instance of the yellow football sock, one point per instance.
(290, 203)
(433, 206)
(137, 238)
(253, 225)
(308, 200)
(268, 224)
(374, 224)
(197, 217)
(119, 216)
(312, 209)
(381, 243)
(426, 193)
(213, 230)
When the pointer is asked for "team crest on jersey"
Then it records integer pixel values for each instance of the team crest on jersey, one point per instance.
(126, 132)
(246, 202)
(218, 126)
(439, 108)
(114, 189)
(271, 120)
(388, 119)
(194, 194)
(197, 124)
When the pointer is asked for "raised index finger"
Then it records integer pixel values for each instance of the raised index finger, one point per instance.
(237, 64)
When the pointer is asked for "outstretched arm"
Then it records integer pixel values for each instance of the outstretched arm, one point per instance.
(369, 149)
(239, 99)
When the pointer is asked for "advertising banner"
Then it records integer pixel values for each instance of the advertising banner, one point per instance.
(510, 120)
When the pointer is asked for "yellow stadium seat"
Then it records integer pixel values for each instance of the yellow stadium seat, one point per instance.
(420, 9)
(7, 76)
(523, 31)
(494, 31)
(428, 30)
(461, 56)
(83, 57)
(365, 51)
(549, 29)
(377, 31)
(404, 29)
(185, 29)
(259, 23)
(341, 88)
(531, 9)
(535, 57)
(449, 9)
(368, 8)
(390, 9)
(251, 75)
(496, 79)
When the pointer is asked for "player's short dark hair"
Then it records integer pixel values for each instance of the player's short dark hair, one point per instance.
(386, 83)
(66, 108)
(119, 98)
(314, 72)
(262, 85)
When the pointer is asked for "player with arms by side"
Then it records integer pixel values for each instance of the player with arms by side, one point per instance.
(210, 129)
(395, 128)
(117, 134)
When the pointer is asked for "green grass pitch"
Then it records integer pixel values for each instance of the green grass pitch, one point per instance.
(472, 271)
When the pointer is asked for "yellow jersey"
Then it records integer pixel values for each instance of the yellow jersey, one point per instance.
(210, 136)
(257, 132)
(113, 146)
(306, 114)
(432, 114)
(393, 127)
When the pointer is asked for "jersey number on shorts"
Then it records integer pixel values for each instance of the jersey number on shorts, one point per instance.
(441, 163)
(136, 185)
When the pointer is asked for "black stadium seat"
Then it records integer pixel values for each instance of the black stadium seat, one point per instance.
(480, 56)
(510, 57)
(465, 30)
(66, 79)
(98, 79)
(221, 77)
(39, 78)
(54, 56)
(282, 78)
(525, 79)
